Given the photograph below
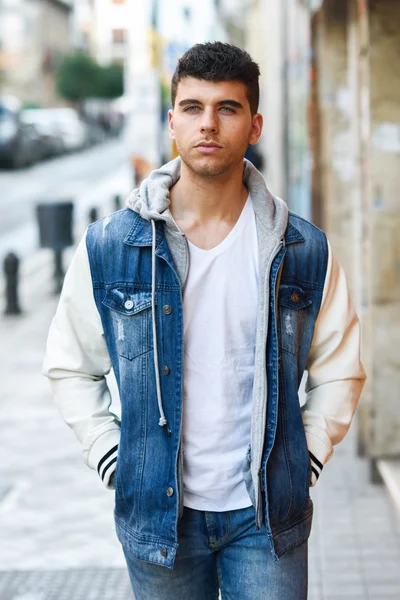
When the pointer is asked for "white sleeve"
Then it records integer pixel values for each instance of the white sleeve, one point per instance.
(76, 363)
(335, 373)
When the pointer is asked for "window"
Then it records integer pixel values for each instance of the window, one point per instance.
(118, 36)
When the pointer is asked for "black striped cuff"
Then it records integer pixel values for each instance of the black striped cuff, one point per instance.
(316, 465)
(104, 468)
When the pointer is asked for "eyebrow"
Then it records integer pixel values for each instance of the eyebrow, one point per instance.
(227, 102)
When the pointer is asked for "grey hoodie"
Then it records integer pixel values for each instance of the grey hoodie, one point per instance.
(151, 200)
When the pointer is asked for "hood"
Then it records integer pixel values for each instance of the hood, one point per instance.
(152, 199)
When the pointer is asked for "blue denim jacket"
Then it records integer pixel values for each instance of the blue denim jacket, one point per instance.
(148, 476)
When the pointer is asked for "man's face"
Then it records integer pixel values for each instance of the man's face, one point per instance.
(212, 125)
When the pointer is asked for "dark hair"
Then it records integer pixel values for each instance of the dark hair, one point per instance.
(216, 61)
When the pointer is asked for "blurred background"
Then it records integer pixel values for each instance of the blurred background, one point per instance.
(84, 95)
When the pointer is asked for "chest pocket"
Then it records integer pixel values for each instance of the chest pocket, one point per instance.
(293, 301)
(131, 318)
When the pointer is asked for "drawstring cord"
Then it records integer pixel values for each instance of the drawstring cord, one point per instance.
(163, 420)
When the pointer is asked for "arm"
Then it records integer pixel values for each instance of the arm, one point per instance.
(335, 373)
(76, 363)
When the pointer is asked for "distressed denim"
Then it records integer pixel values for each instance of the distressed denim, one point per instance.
(222, 551)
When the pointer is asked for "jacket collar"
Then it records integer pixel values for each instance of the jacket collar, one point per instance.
(292, 235)
(140, 233)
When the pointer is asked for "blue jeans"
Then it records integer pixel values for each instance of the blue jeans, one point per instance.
(222, 551)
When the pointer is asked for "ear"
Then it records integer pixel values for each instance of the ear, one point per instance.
(256, 128)
(171, 124)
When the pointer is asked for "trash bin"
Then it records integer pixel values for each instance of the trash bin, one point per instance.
(55, 232)
(55, 224)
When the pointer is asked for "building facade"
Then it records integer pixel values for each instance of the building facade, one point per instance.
(329, 96)
(33, 36)
(357, 44)
(277, 35)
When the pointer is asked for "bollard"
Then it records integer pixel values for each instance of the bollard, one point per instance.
(93, 216)
(58, 271)
(11, 268)
(117, 202)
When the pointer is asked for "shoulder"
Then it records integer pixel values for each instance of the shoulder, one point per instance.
(113, 226)
(307, 229)
(106, 236)
(307, 251)
(105, 240)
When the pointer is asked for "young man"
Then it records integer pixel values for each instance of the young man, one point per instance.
(209, 300)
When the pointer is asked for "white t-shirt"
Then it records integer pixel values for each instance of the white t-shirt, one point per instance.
(220, 311)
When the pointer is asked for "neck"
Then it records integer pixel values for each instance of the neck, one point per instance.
(203, 199)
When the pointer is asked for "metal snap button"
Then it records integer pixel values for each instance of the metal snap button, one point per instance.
(163, 552)
(128, 304)
(165, 370)
(294, 297)
(167, 309)
(170, 492)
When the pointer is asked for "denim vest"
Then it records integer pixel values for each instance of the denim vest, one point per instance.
(148, 476)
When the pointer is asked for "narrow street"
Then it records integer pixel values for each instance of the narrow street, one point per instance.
(89, 178)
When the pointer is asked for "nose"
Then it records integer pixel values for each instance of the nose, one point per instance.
(209, 123)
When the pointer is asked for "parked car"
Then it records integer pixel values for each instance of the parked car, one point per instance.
(72, 129)
(47, 129)
(19, 142)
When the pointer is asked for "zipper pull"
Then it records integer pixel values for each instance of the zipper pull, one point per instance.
(260, 474)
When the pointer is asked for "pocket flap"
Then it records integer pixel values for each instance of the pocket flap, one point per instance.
(293, 296)
(127, 302)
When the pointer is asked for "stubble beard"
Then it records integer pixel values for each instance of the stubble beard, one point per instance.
(208, 167)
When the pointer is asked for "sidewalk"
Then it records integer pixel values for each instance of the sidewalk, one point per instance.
(57, 539)
(355, 542)
(55, 514)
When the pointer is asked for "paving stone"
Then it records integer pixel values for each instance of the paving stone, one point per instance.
(315, 593)
(350, 576)
(4, 491)
(74, 584)
(344, 590)
(384, 588)
(344, 597)
(357, 527)
(331, 553)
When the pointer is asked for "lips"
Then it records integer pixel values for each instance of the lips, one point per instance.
(208, 147)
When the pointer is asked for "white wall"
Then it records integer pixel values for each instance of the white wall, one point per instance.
(28, 30)
(202, 26)
(145, 136)
(180, 32)
(264, 35)
(109, 16)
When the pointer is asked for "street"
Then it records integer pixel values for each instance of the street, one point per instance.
(90, 178)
